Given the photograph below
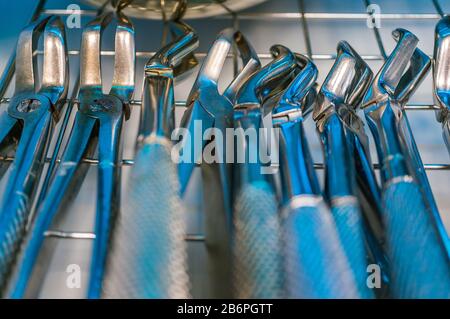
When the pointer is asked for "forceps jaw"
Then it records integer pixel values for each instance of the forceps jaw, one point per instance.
(344, 86)
(55, 71)
(401, 74)
(271, 79)
(296, 98)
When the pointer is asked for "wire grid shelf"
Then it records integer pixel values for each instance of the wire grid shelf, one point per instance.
(235, 18)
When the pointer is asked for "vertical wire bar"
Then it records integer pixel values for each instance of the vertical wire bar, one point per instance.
(10, 67)
(438, 8)
(235, 53)
(376, 32)
(305, 29)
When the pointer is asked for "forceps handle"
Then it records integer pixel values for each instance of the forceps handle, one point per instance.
(339, 162)
(64, 178)
(316, 264)
(419, 264)
(18, 195)
(257, 257)
(152, 223)
(349, 225)
(108, 198)
(297, 172)
(419, 172)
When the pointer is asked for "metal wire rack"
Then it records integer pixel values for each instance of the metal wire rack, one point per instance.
(235, 18)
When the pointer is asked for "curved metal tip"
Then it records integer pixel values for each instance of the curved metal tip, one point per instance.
(395, 66)
(402, 72)
(174, 54)
(55, 68)
(441, 67)
(346, 83)
(271, 78)
(250, 62)
(301, 91)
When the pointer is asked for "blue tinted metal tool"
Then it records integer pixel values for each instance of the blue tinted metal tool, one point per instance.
(99, 119)
(417, 242)
(315, 263)
(153, 216)
(346, 83)
(441, 72)
(26, 127)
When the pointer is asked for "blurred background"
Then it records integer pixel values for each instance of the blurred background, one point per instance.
(268, 23)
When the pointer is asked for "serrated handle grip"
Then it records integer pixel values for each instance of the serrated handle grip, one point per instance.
(419, 264)
(347, 218)
(316, 265)
(257, 255)
(148, 257)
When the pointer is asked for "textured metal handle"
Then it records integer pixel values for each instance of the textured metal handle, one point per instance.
(316, 265)
(257, 255)
(347, 218)
(419, 264)
(148, 257)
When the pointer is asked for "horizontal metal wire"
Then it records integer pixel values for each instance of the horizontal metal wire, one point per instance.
(130, 162)
(408, 107)
(90, 236)
(262, 56)
(289, 15)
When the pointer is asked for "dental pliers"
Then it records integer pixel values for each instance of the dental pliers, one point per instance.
(441, 76)
(208, 114)
(316, 265)
(416, 239)
(153, 219)
(26, 126)
(348, 75)
(257, 263)
(99, 119)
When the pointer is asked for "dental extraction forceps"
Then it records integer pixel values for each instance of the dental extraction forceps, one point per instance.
(208, 109)
(348, 79)
(257, 263)
(152, 221)
(369, 193)
(27, 126)
(441, 76)
(315, 263)
(99, 119)
(419, 262)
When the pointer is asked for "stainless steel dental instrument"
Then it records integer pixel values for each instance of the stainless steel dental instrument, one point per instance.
(257, 262)
(99, 119)
(26, 127)
(315, 263)
(153, 217)
(348, 79)
(418, 256)
(210, 110)
(441, 76)
(369, 193)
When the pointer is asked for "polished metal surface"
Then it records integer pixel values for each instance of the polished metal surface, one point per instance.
(156, 9)
(26, 127)
(441, 75)
(104, 115)
(318, 15)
